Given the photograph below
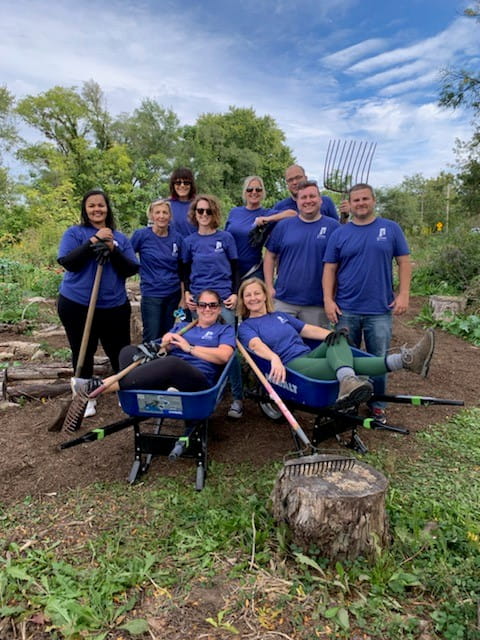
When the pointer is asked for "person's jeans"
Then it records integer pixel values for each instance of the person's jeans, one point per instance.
(157, 315)
(235, 374)
(376, 331)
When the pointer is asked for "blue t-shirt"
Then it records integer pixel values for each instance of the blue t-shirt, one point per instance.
(77, 285)
(364, 255)
(300, 246)
(210, 257)
(212, 336)
(159, 261)
(279, 331)
(239, 224)
(327, 207)
(179, 213)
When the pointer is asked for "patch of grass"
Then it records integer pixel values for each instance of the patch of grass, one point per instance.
(87, 560)
(466, 327)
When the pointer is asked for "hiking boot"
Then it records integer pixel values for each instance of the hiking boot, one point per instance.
(418, 358)
(378, 414)
(353, 391)
(236, 409)
(84, 386)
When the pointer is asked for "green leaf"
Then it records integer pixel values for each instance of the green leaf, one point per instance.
(343, 618)
(136, 627)
(17, 572)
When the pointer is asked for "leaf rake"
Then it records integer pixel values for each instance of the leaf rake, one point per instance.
(347, 163)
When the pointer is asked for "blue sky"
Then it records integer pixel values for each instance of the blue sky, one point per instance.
(323, 69)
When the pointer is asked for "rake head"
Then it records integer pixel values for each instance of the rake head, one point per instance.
(347, 163)
(76, 410)
(317, 465)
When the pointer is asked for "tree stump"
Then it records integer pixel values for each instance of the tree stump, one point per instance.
(340, 513)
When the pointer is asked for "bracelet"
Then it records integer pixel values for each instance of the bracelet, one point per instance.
(98, 238)
(190, 348)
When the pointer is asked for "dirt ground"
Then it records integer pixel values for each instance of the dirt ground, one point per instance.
(33, 464)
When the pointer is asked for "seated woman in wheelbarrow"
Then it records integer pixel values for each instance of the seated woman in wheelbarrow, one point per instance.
(193, 362)
(277, 337)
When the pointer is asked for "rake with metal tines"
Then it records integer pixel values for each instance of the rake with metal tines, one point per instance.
(306, 465)
(347, 163)
(317, 464)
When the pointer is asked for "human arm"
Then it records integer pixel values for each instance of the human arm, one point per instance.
(329, 280)
(402, 298)
(216, 355)
(275, 217)
(314, 332)
(269, 260)
(231, 301)
(277, 370)
(185, 274)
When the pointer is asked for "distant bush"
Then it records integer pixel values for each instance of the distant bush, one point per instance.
(449, 266)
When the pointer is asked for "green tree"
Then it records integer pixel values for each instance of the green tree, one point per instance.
(225, 148)
(461, 87)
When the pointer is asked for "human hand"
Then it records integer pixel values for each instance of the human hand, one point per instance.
(335, 336)
(101, 252)
(147, 351)
(231, 301)
(332, 311)
(277, 370)
(191, 302)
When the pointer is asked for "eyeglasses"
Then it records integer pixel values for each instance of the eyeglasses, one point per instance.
(208, 305)
(178, 183)
(256, 189)
(201, 211)
(295, 179)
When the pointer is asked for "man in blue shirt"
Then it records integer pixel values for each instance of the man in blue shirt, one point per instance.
(295, 175)
(358, 276)
(296, 247)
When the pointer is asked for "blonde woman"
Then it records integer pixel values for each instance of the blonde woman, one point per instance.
(158, 247)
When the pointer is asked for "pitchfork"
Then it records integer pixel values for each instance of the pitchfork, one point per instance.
(347, 163)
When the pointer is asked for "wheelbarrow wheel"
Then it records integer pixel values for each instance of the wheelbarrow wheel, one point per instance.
(271, 411)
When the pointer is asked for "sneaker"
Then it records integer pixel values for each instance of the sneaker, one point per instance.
(418, 358)
(378, 414)
(90, 409)
(353, 391)
(236, 409)
(173, 389)
(84, 386)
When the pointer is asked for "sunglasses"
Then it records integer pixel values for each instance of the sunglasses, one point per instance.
(208, 305)
(201, 211)
(178, 183)
(256, 189)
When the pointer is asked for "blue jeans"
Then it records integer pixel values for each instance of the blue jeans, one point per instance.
(157, 315)
(376, 331)
(235, 374)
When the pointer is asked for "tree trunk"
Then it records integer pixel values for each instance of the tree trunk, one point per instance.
(340, 513)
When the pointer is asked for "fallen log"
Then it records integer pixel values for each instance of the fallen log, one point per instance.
(38, 390)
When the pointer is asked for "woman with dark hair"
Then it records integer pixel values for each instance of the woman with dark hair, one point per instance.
(210, 260)
(159, 248)
(82, 248)
(182, 192)
(194, 360)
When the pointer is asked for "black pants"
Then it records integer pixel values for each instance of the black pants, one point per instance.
(161, 373)
(110, 327)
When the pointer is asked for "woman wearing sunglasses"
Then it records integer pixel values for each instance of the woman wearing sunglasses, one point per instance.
(210, 260)
(241, 221)
(194, 360)
(182, 192)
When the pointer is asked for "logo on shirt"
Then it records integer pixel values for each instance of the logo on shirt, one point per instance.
(322, 233)
(208, 335)
(282, 319)
(382, 234)
(218, 246)
(175, 249)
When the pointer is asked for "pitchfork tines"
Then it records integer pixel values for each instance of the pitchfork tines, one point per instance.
(347, 163)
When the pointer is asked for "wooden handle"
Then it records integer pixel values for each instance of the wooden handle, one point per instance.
(89, 319)
(121, 374)
(274, 396)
